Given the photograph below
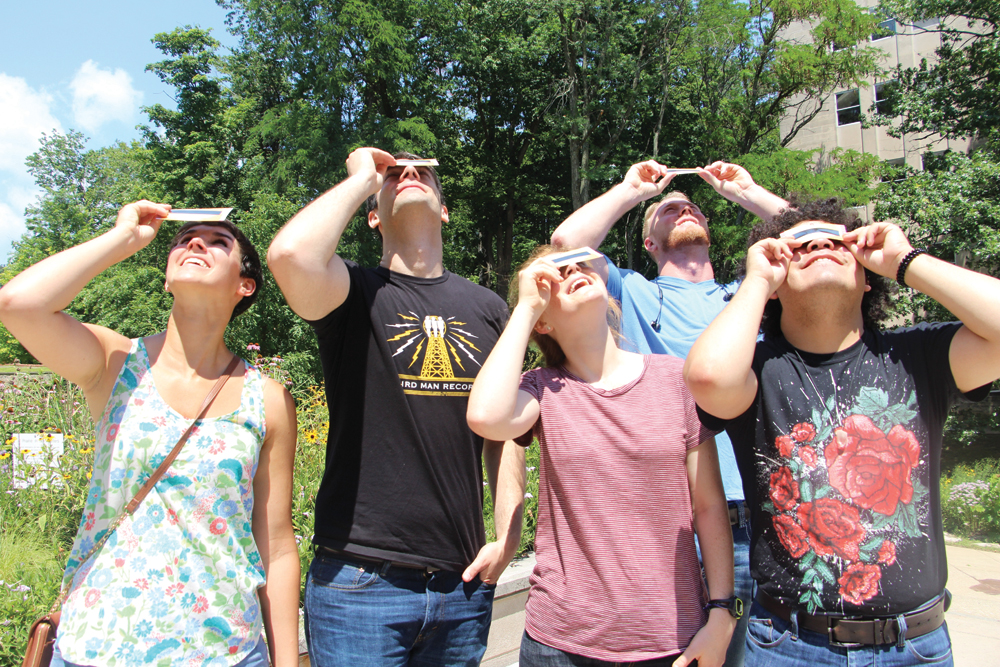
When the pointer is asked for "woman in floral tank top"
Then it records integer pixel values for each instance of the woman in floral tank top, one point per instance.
(207, 565)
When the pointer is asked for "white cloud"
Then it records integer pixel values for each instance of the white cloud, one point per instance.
(24, 115)
(101, 96)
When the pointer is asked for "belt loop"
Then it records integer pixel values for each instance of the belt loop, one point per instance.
(383, 569)
(901, 621)
(794, 620)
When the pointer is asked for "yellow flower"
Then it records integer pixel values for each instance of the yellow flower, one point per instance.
(25, 451)
(4, 455)
(311, 435)
(10, 441)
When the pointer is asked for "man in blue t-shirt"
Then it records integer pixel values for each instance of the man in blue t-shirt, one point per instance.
(666, 315)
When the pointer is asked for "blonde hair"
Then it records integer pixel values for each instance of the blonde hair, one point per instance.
(552, 352)
(647, 216)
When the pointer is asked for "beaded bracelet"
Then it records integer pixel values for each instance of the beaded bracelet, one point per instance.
(905, 263)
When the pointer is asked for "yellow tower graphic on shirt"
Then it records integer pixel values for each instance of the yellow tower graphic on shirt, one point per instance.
(438, 346)
(437, 365)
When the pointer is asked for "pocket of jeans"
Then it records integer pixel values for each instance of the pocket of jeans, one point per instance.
(336, 573)
(762, 632)
(934, 647)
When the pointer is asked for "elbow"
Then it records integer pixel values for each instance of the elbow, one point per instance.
(701, 378)
(479, 422)
(15, 303)
(279, 256)
(559, 238)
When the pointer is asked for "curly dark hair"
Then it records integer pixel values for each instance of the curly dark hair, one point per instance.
(874, 304)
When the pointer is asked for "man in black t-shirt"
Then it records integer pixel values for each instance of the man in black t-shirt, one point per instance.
(837, 430)
(402, 574)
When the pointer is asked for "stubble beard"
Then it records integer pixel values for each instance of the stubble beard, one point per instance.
(686, 236)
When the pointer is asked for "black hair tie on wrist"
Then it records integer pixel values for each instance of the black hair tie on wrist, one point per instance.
(905, 263)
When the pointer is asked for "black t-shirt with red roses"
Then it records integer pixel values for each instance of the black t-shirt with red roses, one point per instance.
(840, 456)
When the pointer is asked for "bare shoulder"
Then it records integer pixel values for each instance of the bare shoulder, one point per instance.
(279, 408)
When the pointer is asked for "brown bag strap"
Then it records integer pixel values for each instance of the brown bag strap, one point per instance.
(153, 479)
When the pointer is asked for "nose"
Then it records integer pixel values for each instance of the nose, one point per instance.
(409, 173)
(196, 242)
(820, 243)
(569, 269)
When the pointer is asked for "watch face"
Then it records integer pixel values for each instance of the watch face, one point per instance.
(737, 609)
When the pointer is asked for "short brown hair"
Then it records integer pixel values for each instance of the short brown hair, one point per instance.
(647, 216)
(372, 201)
(552, 353)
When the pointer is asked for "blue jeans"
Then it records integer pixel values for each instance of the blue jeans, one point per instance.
(258, 657)
(744, 588)
(361, 614)
(536, 654)
(777, 643)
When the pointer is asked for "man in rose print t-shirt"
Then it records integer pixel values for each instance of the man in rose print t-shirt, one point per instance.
(837, 427)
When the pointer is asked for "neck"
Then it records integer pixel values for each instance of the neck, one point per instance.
(592, 356)
(822, 327)
(689, 263)
(417, 255)
(193, 343)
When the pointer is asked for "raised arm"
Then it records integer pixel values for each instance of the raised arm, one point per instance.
(735, 184)
(498, 410)
(272, 528)
(711, 524)
(31, 304)
(974, 298)
(303, 255)
(589, 224)
(504, 462)
(719, 368)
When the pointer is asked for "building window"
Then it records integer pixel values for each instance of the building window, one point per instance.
(927, 24)
(885, 97)
(934, 161)
(848, 107)
(884, 30)
(894, 171)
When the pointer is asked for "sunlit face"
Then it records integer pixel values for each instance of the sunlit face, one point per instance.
(409, 185)
(580, 290)
(205, 254)
(677, 223)
(823, 263)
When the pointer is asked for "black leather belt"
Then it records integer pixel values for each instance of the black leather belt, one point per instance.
(861, 631)
(737, 508)
(380, 562)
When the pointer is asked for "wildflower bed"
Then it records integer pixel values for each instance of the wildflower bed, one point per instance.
(37, 525)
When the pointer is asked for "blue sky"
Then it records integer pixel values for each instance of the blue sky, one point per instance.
(79, 65)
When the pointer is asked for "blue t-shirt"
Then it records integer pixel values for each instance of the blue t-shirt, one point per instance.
(687, 309)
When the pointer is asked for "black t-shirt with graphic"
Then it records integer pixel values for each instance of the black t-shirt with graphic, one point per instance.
(403, 478)
(840, 456)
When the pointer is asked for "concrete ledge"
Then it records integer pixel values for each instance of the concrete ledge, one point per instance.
(504, 644)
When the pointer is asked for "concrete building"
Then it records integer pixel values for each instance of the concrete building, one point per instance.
(838, 123)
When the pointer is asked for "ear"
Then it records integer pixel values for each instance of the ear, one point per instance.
(444, 214)
(373, 220)
(648, 244)
(542, 328)
(247, 286)
(868, 288)
(166, 286)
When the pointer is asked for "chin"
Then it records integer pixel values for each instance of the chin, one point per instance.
(687, 236)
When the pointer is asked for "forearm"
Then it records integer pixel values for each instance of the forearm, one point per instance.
(493, 399)
(590, 224)
(718, 369)
(761, 202)
(50, 285)
(974, 298)
(279, 603)
(711, 523)
(506, 473)
(311, 237)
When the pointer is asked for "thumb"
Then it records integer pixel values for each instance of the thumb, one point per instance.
(711, 179)
(473, 570)
(662, 184)
(683, 661)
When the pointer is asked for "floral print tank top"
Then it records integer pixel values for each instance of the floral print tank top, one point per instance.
(176, 584)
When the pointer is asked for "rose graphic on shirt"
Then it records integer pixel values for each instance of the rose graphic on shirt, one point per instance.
(844, 493)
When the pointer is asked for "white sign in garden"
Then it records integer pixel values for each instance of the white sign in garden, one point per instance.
(36, 459)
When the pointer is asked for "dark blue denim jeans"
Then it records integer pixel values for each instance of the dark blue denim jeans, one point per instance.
(361, 614)
(774, 642)
(536, 654)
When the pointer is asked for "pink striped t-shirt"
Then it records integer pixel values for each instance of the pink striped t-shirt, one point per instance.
(617, 576)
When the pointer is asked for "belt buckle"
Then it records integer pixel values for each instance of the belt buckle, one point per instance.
(831, 623)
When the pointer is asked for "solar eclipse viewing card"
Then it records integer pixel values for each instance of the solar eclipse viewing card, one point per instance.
(199, 214)
(815, 230)
(430, 162)
(578, 256)
(677, 172)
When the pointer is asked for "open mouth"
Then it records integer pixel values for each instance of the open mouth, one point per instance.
(577, 283)
(194, 261)
(824, 256)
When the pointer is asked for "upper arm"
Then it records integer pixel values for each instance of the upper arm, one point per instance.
(526, 411)
(725, 401)
(312, 285)
(272, 483)
(974, 360)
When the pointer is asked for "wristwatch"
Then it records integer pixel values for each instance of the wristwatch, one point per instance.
(733, 604)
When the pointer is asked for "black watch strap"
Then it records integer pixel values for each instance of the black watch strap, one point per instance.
(732, 604)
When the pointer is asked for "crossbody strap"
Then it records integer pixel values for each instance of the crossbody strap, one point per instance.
(151, 482)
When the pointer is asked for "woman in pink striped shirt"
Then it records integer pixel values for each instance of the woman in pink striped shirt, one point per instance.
(628, 475)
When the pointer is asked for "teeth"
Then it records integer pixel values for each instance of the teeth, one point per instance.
(195, 261)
